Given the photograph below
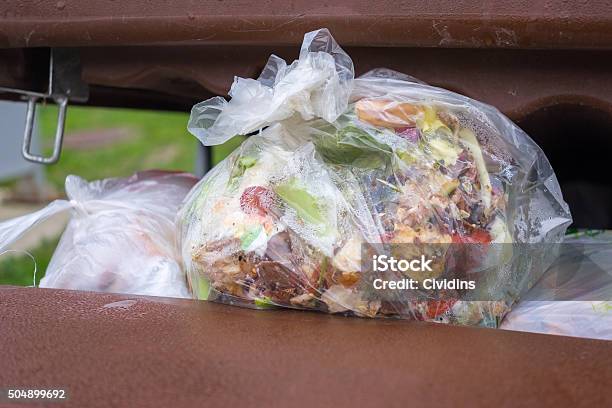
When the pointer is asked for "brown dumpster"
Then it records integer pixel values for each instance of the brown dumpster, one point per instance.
(546, 64)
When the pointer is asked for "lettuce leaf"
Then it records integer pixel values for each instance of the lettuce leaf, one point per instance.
(307, 206)
(352, 146)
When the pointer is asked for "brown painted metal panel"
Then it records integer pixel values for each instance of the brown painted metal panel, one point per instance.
(172, 353)
(413, 23)
(190, 50)
(517, 82)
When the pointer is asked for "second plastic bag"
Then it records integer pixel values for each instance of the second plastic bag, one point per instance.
(339, 163)
(574, 297)
(121, 237)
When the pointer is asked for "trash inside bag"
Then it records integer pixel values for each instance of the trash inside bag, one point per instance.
(574, 297)
(121, 237)
(336, 164)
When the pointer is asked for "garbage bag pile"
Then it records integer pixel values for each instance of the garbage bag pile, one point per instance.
(121, 236)
(334, 163)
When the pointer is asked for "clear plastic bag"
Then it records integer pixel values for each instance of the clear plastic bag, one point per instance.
(574, 297)
(337, 163)
(121, 237)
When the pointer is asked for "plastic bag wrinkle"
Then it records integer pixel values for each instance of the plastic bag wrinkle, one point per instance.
(316, 85)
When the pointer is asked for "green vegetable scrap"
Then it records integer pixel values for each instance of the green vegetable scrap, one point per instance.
(248, 237)
(241, 165)
(308, 207)
(353, 146)
(264, 303)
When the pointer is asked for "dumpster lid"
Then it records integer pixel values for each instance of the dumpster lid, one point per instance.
(413, 23)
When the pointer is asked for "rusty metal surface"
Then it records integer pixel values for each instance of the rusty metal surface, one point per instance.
(148, 352)
(420, 23)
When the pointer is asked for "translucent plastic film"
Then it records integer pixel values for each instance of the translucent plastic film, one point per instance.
(121, 237)
(574, 297)
(339, 163)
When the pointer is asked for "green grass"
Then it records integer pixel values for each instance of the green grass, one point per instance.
(18, 269)
(159, 140)
(220, 152)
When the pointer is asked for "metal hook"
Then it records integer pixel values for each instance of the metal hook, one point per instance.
(62, 103)
(64, 83)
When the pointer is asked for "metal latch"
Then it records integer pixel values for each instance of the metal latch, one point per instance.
(64, 84)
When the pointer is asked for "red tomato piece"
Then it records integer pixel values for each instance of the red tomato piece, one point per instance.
(478, 236)
(256, 200)
(437, 307)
